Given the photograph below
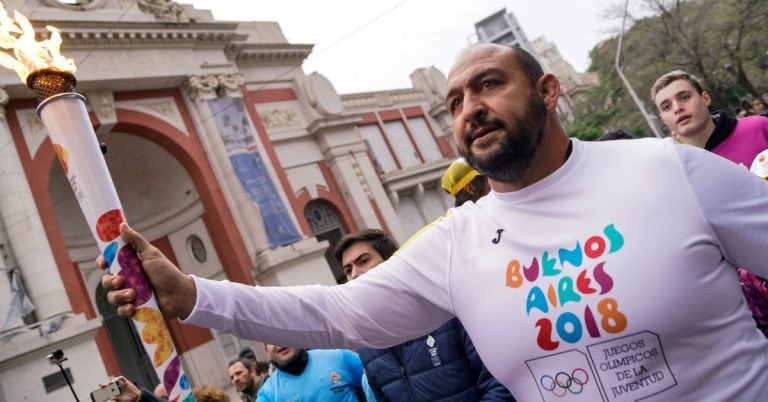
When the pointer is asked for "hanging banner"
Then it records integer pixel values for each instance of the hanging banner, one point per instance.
(240, 143)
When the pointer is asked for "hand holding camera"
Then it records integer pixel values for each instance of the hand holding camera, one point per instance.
(120, 390)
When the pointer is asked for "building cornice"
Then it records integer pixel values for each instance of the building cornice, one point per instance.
(244, 53)
(122, 34)
(408, 178)
(382, 98)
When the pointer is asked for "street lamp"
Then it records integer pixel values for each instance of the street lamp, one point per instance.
(647, 116)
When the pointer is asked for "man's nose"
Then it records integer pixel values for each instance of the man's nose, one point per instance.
(677, 106)
(354, 275)
(473, 108)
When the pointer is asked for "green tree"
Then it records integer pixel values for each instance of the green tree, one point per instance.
(721, 41)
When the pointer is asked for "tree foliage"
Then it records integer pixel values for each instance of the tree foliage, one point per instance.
(721, 41)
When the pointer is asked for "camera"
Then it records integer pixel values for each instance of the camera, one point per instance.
(107, 392)
(56, 357)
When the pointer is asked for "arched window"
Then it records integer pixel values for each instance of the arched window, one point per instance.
(326, 225)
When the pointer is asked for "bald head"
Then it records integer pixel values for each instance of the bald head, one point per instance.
(478, 52)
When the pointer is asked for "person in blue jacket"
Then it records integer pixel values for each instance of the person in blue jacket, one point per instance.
(312, 375)
(440, 366)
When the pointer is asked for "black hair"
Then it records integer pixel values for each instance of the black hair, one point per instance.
(528, 64)
(616, 135)
(473, 191)
(380, 241)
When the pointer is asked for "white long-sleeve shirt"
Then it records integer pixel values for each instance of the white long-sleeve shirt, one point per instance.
(611, 279)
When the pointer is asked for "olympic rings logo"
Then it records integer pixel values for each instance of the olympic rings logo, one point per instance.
(563, 383)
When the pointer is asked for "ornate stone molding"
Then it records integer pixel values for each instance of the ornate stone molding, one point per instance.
(201, 88)
(260, 53)
(279, 118)
(163, 108)
(213, 85)
(360, 175)
(229, 84)
(164, 10)
(103, 104)
(382, 99)
(151, 35)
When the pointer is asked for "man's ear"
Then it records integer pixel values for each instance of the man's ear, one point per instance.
(548, 87)
(707, 97)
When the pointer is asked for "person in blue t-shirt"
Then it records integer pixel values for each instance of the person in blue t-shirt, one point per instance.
(312, 375)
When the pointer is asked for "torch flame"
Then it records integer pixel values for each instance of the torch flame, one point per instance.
(18, 35)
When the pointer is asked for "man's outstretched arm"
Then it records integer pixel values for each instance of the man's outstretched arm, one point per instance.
(381, 309)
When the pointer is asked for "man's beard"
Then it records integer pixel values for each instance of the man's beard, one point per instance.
(250, 385)
(518, 144)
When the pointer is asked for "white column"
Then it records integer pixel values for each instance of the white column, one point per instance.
(244, 211)
(24, 230)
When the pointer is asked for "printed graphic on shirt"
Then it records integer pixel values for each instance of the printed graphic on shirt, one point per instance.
(568, 291)
(497, 239)
(568, 301)
(337, 383)
(565, 376)
(632, 367)
(433, 351)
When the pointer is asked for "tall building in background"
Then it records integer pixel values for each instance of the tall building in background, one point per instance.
(502, 27)
(573, 83)
(230, 158)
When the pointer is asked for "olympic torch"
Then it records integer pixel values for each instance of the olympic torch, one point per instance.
(51, 78)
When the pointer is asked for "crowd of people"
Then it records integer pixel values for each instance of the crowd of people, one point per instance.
(753, 106)
(607, 270)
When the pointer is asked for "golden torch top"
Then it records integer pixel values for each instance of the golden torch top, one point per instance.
(39, 64)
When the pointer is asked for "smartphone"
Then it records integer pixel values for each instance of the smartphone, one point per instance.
(106, 392)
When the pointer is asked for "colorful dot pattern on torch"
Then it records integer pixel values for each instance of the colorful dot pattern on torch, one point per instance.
(108, 225)
(133, 274)
(153, 331)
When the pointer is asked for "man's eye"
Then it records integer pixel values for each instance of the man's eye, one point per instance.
(455, 104)
(488, 84)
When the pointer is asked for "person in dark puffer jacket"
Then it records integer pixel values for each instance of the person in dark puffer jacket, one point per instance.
(440, 366)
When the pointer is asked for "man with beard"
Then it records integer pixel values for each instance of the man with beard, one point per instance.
(313, 375)
(582, 275)
(247, 376)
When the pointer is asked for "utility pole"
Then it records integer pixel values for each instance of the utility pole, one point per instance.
(648, 117)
